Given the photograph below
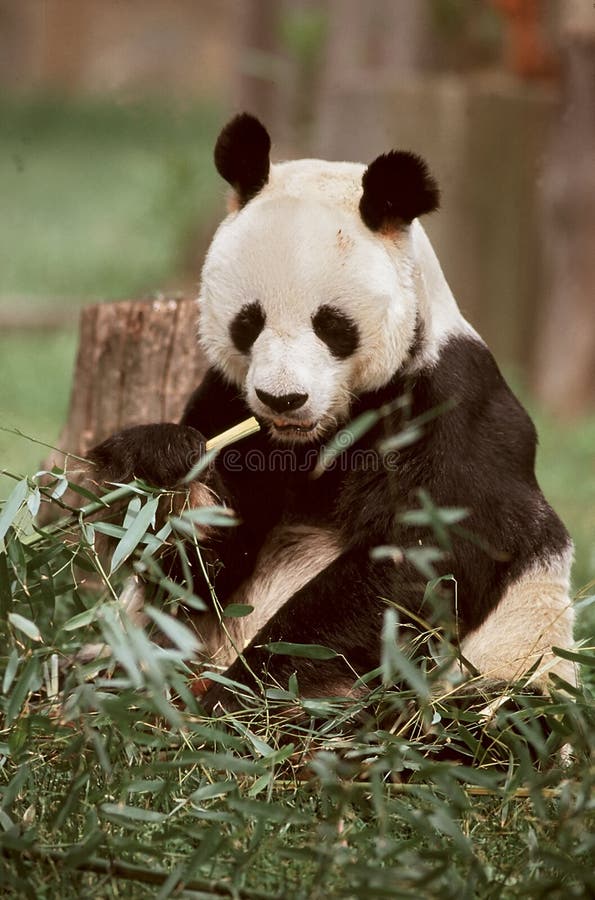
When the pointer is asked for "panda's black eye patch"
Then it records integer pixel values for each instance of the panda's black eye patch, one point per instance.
(246, 326)
(337, 330)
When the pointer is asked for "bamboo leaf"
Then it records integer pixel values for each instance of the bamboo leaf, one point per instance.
(27, 681)
(132, 511)
(394, 661)
(144, 786)
(110, 529)
(344, 439)
(25, 625)
(178, 633)
(228, 682)
(307, 651)
(229, 763)
(10, 671)
(10, 509)
(586, 658)
(237, 610)
(135, 533)
(60, 488)
(15, 786)
(81, 619)
(204, 516)
(119, 811)
(34, 502)
(214, 789)
(260, 784)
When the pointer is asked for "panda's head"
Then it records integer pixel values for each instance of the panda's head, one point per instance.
(308, 293)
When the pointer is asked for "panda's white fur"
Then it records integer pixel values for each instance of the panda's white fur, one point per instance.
(290, 558)
(534, 615)
(296, 239)
(308, 211)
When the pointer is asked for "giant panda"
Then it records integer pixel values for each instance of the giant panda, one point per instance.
(321, 298)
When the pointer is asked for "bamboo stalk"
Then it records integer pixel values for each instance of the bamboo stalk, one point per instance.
(241, 430)
(521, 793)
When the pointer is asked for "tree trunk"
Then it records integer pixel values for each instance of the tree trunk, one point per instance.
(372, 45)
(138, 361)
(257, 32)
(64, 48)
(564, 372)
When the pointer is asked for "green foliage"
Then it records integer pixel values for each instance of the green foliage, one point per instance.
(28, 361)
(113, 783)
(566, 473)
(304, 32)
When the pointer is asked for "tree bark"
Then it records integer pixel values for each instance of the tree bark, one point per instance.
(137, 362)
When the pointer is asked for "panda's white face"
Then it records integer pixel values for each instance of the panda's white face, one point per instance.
(303, 307)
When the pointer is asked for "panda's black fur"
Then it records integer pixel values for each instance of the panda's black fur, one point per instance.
(475, 451)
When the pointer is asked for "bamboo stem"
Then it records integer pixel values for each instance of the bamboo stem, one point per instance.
(521, 793)
(241, 430)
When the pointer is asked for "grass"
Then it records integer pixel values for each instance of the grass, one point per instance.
(35, 377)
(566, 473)
(120, 786)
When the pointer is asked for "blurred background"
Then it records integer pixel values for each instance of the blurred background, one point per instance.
(109, 110)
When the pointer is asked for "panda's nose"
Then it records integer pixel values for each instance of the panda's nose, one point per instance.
(281, 403)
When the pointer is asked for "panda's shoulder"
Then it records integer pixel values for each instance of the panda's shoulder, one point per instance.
(472, 400)
(481, 449)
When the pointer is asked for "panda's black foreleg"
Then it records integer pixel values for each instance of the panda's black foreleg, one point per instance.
(160, 454)
(341, 609)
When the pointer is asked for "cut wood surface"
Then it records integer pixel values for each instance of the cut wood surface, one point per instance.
(138, 361)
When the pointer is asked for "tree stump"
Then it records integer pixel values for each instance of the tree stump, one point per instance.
(138, 362)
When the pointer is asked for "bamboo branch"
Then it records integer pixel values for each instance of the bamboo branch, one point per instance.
(521, 793)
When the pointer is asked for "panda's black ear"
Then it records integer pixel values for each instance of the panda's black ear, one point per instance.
(242, 156)
(397, 189)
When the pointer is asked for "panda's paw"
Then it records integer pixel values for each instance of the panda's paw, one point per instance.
(161, 455)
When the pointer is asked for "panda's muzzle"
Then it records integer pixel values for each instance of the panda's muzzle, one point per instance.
(289, 415)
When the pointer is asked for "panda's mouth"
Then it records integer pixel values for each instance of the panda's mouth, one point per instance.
(288, 428)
